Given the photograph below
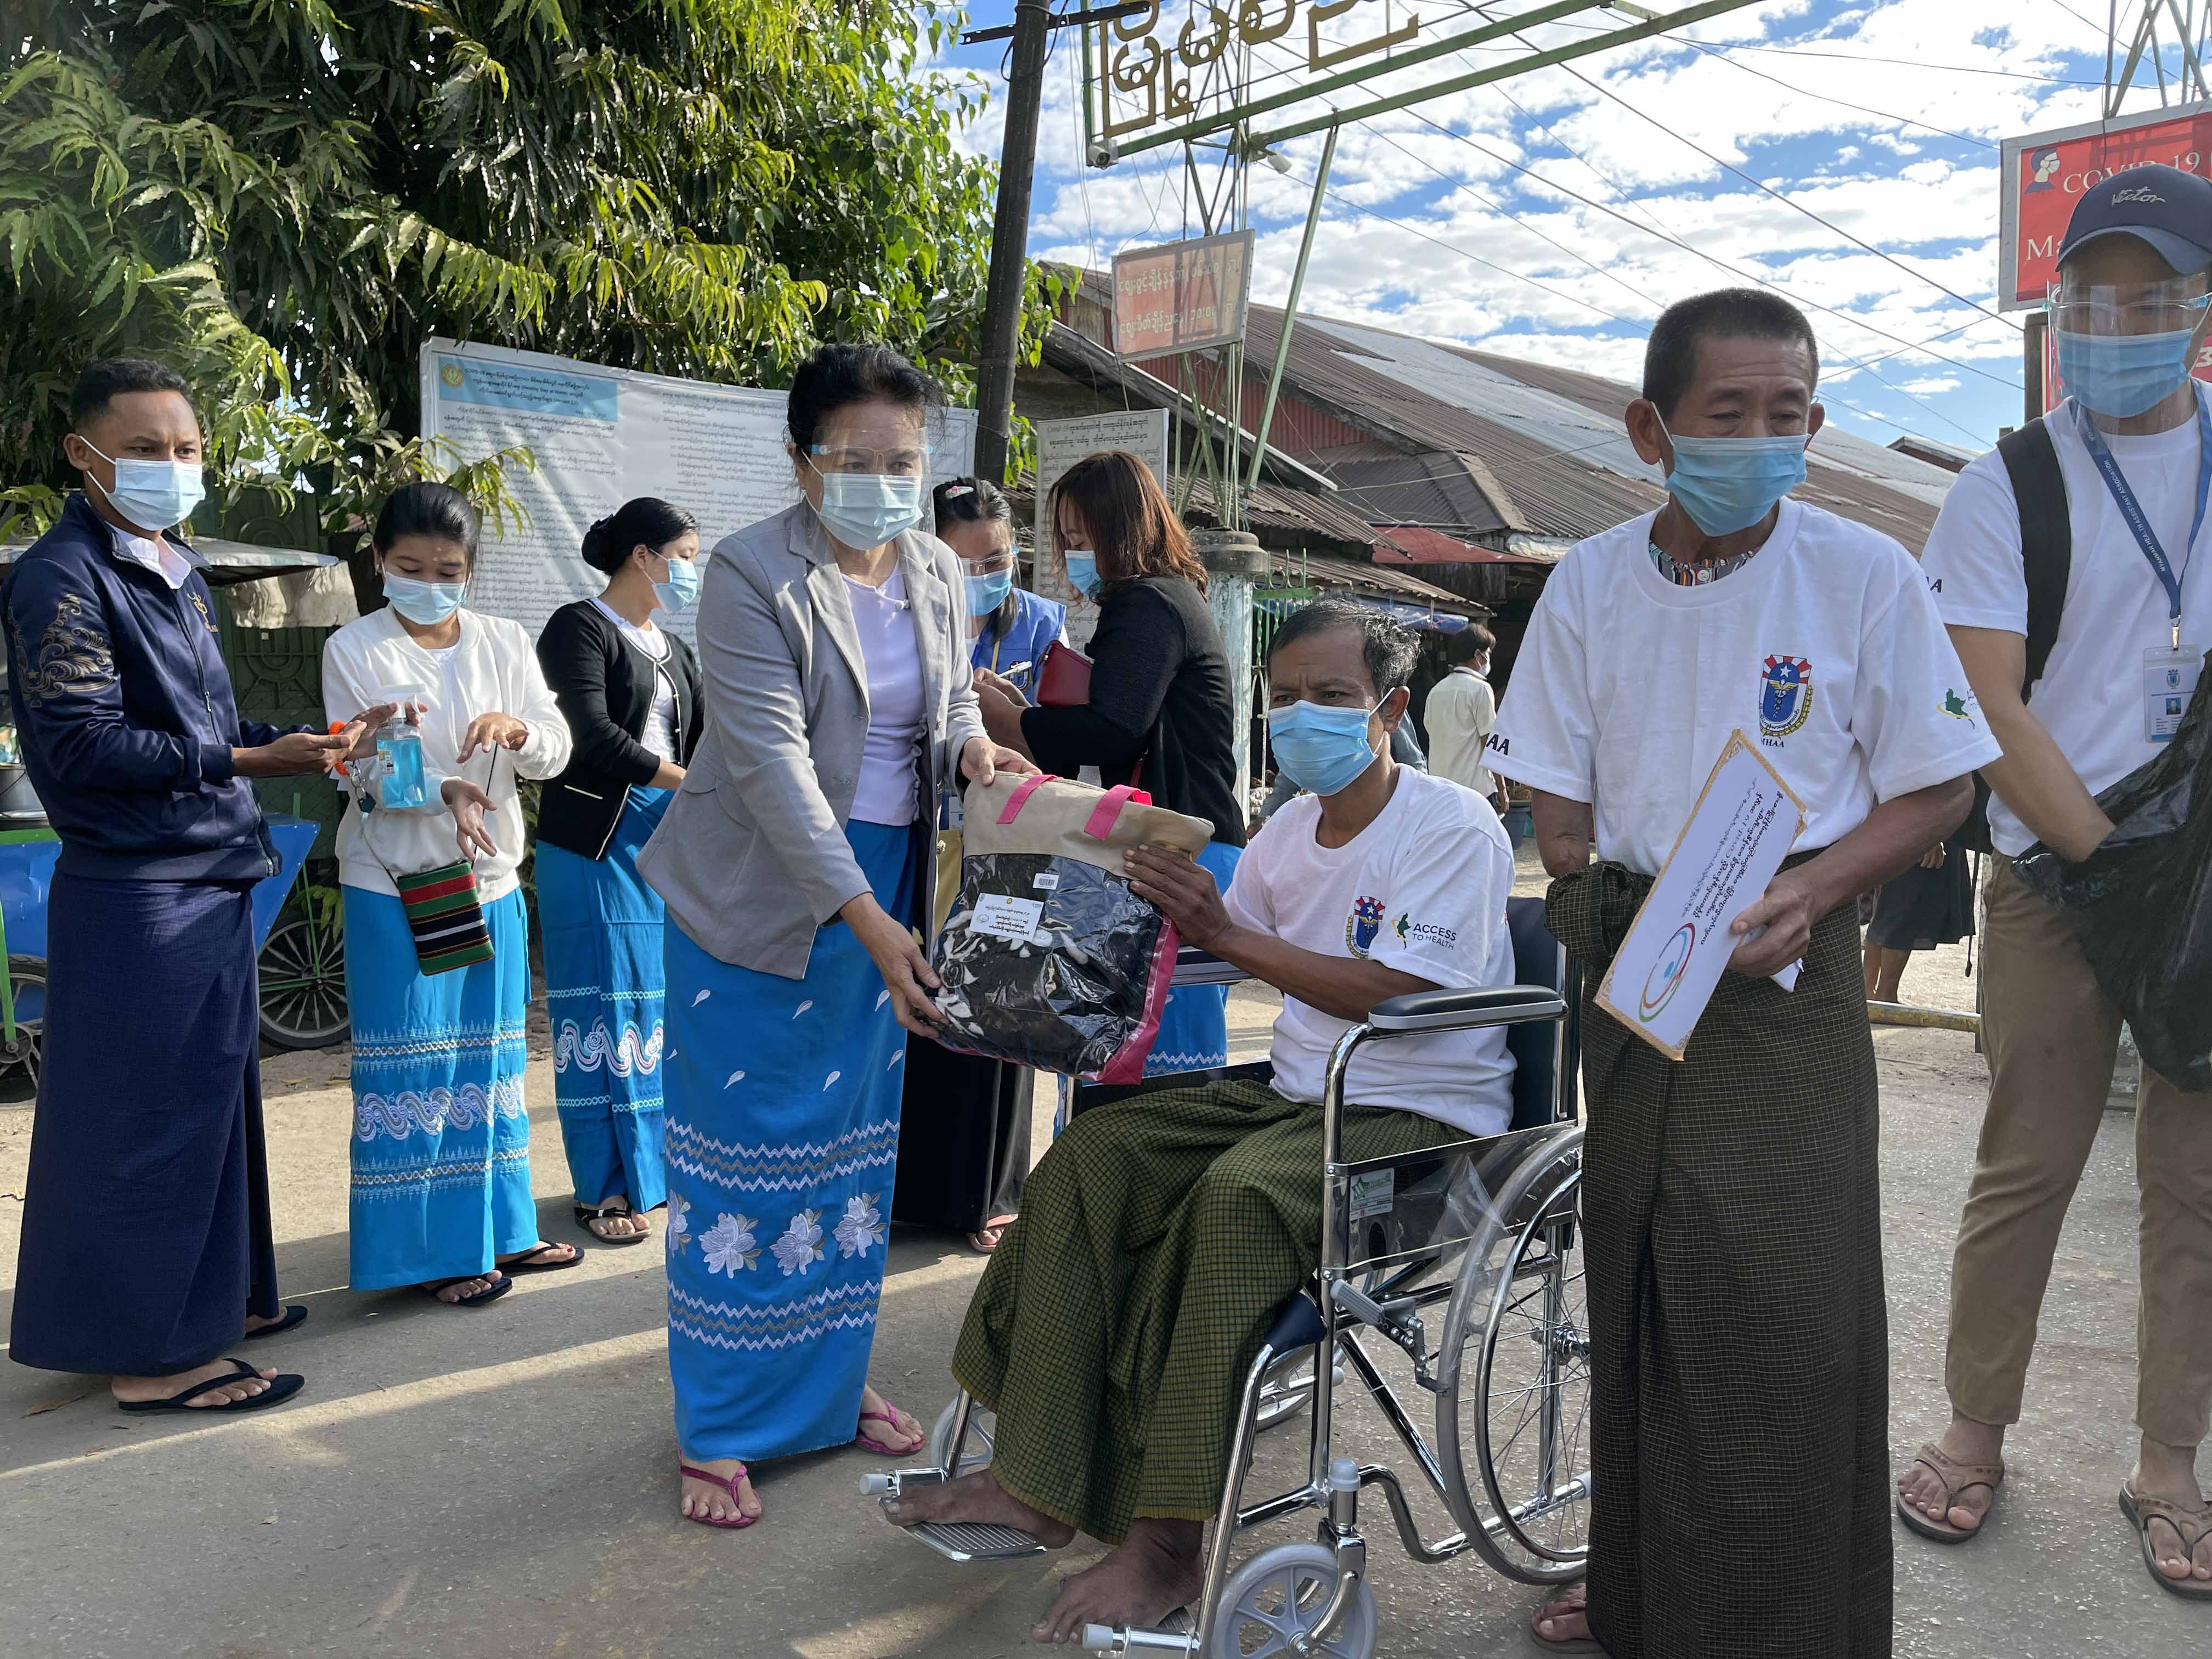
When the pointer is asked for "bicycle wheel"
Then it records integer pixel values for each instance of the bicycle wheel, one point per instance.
(303, 990)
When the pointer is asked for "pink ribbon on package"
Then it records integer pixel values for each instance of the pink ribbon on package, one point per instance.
(1110, 809)
(1028, 787)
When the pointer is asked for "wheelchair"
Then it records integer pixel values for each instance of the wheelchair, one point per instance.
(1486, 1229)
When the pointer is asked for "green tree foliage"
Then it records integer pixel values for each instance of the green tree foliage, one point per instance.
(283, 198)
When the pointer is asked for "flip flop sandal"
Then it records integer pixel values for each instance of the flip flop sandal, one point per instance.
(2191, 1525)
(294, 1315)
(1959, 1478)
(994, 1229)
(1561, 1643)
(729, 1482)
(587, 1213)
(527, 1263)
(889, 1415)
(280, 1389)
(491, 1292)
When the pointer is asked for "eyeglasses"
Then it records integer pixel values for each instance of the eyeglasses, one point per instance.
(2174, 306)
(905, 461)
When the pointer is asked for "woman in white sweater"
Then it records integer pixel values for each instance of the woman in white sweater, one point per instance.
(441, 1139)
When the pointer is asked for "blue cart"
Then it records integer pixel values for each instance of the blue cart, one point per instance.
(27, 852)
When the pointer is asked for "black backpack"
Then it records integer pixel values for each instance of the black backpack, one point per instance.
(2046, 556)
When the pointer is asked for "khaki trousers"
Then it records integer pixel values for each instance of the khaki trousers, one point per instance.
(2051, 1034)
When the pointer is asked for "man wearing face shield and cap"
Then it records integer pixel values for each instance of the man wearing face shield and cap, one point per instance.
(147, 1252)
(2083, 636)
(1740, 1354)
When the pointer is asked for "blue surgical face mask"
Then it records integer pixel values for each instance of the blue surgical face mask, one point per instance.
(866, 509)
(155, 495)
(1728, 484)
(681, 591)
(987, 594)
(2118, 375)
(1082, 570)
(1321, 748)
(426, 603)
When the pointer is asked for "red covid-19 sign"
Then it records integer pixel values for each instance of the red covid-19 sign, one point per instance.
(2045, 173)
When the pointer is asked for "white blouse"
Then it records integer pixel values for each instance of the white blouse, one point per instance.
(888, 775)
(493, 668)
(660, 734)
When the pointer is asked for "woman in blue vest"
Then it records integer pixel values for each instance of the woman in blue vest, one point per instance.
(1010, 627)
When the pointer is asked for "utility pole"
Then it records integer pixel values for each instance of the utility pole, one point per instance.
(1010, 235)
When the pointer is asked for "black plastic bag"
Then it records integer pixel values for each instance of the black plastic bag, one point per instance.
(1049, 958)
(2141, 904)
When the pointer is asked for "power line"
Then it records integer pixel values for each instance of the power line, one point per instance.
(1674, 240)
(2078, 18)
(1450, 247)
(1759, 185)
(1902, 63)
(1458, 184)
(1841, 103)
(1849, 362)
(1665, 235)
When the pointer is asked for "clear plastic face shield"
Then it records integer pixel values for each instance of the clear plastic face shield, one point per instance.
(902, 460)
(2174, 306)
(2125, 348)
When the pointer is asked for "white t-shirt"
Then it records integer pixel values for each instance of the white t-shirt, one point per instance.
(1421, 890)
(1826, 650)
(1461, 710)
(660, 734)
(2090, 698)
(889, 782)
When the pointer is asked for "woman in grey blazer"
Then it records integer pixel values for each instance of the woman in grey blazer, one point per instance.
(794, 861)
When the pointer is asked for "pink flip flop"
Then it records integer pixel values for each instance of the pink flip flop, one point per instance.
(728, 1481)
(889, 1415)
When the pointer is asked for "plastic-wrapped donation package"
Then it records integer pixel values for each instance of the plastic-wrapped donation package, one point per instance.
(2141, 904)
(1049, 959)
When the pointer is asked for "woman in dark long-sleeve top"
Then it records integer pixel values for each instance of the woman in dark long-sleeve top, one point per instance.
(630, 692)
(1162, 710)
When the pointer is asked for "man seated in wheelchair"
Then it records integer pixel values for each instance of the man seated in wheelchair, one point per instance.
(1113, 1328)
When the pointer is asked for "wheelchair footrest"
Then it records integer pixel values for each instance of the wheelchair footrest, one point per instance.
(977, 1540)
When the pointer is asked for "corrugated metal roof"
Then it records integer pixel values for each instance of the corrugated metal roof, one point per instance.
(1533, 458)
(1488, 447)
(1278, 515)
(1319, 570)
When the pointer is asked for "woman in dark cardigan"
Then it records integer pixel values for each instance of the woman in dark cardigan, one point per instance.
(1161, 714)
(630, 693)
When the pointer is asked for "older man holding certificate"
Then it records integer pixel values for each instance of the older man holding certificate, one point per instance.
(1741, 1369)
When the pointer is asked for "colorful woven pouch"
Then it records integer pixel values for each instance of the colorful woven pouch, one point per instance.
(446, 917)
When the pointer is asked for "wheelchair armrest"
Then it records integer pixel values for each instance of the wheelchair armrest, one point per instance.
(1466, 1010)
(1197, 967)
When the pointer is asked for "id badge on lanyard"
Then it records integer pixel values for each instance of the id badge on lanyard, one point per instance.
(2170, 672)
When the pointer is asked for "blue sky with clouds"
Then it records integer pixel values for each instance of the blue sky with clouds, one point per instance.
(1550, 217)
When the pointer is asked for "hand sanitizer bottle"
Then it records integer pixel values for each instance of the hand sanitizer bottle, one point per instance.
(399, 751)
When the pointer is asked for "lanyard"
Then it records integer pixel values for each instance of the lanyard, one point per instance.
(2131, 510)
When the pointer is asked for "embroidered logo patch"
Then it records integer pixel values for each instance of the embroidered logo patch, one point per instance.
(1785, 696)
(1956, 706)
(1361, 927)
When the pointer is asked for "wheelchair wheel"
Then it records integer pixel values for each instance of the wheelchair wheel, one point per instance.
(983, 1438)
(1278, 1596)
(1513, 1394)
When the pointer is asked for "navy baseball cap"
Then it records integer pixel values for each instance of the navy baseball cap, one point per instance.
(2164, 206)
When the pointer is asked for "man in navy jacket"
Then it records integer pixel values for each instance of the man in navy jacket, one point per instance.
(146, 1244)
